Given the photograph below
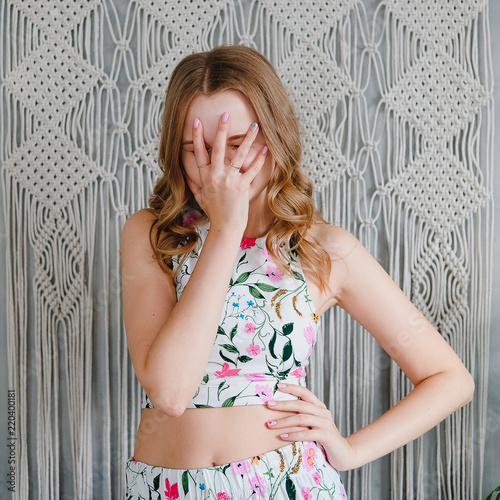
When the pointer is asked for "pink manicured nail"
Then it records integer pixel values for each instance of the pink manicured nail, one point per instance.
(196, 123)
(271, 403)
(281, 385)
(225, 117)
(271, 423)
(264, 150)
(283, 436)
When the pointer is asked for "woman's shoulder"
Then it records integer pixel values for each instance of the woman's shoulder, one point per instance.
(135, 238)
(142, 217)
(138, 223)
(335, 240)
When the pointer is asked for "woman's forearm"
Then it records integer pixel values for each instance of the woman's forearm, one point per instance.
(180, 351)
(431, 401)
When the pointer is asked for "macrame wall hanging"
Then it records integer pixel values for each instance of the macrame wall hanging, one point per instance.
(395, 101)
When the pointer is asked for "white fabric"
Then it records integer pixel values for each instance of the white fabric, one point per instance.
(394, 98)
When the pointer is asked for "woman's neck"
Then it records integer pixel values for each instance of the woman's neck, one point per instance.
(259, 222)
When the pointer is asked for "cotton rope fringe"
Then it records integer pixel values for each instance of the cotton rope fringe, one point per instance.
(395, 103)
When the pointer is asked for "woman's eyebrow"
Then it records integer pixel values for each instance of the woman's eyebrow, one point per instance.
(231, 138)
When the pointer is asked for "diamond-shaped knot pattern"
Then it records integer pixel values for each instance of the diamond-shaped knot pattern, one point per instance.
(156, 78)
(55, 16)
(440, 189)
(52, 168)
(60, 253)
(51, 81)
(437, 96)
(438, 269)
(180, 16)
(316, 84)
(322, 160)
(435, 20)
(314, 80)
(308, 19)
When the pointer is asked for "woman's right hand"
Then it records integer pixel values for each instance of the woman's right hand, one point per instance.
(223, 191)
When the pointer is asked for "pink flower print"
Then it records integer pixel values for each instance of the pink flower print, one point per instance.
(241, 468)
(264, 392)
(306, 493)
(226, 372)
(255, 377)
(258, 486)
(343, 493)
(299, 372)
(253, 349)
(250, 328)
(171, 492)
(247, 243)
(191, 217)
(266, 255)
(274, 274)
(223, 496)
(317, 477)
(310, 336)
(308, 456)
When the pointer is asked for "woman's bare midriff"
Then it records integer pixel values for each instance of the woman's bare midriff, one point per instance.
(204, 437)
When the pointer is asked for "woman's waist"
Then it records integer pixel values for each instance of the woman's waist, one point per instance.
(206, 437)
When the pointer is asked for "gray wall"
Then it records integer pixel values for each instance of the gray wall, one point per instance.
(492, 431)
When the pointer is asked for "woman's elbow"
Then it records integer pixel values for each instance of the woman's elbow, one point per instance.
(172, 406)
(468, 387)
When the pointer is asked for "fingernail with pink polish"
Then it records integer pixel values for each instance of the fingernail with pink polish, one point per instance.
(225, 117)
(264, 150)
(281, 385)
(271, 403)
(283, 436)
(271, 423)
(196, 123)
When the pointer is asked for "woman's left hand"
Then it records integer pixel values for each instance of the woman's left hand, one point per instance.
(317, 421)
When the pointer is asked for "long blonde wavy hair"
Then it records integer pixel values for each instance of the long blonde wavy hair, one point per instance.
(289, 193)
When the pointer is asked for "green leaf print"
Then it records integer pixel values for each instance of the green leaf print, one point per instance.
(233, 332)
(242, 277)
(229, 401)
(244, 359)
(288, 328)
(203, 406)
(156, 482)
(287, 351)
(266, 288)
(220, 331)
(205, 378)
(271, 345)
(290, 489)
(225, 358)
(255, 292)
(298, 276)
(242, 258)
(221, 385)
(185, 482)
(230, 348)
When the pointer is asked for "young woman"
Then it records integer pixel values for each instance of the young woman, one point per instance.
(225, 278)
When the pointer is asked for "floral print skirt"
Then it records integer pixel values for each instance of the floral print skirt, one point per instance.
(297, 471)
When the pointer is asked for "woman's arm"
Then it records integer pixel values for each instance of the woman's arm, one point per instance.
(442, 383)
(170, 341)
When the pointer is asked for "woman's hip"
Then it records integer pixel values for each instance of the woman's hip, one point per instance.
(299, 470)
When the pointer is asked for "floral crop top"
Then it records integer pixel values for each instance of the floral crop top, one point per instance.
(266, 332)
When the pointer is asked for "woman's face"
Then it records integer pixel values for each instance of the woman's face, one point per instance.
(208, 109)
